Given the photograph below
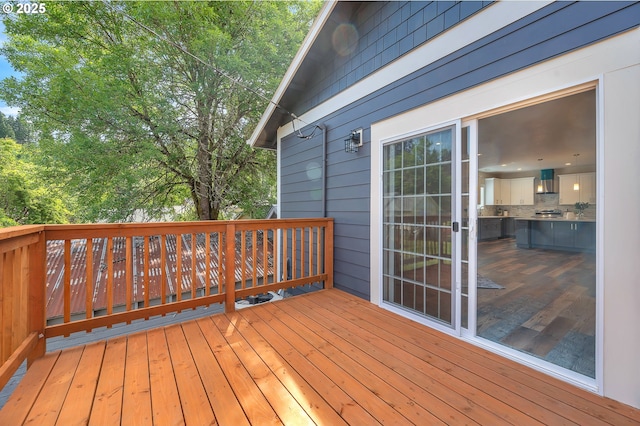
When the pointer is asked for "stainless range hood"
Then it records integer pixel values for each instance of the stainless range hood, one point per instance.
(547, 180)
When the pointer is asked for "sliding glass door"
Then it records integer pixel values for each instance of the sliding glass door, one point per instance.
(473, 244)
(421, 240)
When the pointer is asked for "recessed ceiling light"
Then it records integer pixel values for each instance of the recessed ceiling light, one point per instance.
(503, 165)
(519, 168)
(567, 164)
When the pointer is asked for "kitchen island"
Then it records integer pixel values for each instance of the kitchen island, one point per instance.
(556, 234)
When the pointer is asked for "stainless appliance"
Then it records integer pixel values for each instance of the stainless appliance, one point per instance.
(548, 213)
(547, 182)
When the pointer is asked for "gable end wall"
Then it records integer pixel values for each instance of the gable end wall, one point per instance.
(551, 31)
(386, 30)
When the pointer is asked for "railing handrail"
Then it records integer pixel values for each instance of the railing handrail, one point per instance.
(154, 228)
(307, 243)
(18, 231)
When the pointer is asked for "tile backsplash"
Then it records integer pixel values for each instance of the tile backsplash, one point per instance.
(542, 202)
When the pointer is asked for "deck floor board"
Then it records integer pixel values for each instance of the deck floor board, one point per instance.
(136, 404)
(85, 380)
(322, 358)
(426, 381)
(107, 405)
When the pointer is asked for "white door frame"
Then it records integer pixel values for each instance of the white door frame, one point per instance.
(472, 277)
(469, 333)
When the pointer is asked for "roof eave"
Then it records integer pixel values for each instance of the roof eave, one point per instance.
(307, 43)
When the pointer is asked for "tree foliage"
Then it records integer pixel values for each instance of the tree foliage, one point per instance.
(15, 128)
(22, 129)
(6, 130)
(144, 104)
(23, 199)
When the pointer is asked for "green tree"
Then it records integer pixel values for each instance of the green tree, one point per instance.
(144, 104)
(6, 131)
(22, 130)
(23, 200)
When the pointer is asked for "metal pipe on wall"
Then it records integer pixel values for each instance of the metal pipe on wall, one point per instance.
(324, 171)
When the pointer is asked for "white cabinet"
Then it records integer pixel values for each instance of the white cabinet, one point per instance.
(508, 192)
(505, 192)
(522, 191)
(568, 195)
(588, 187)
(585, 192)
(492, 191)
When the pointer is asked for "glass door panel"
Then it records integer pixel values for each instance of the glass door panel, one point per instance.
(535, 291)
(418, 213)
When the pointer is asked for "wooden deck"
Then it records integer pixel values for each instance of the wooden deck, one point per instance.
(325, 358)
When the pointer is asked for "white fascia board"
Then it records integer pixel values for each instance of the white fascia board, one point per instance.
(308, 41)
(482, 24)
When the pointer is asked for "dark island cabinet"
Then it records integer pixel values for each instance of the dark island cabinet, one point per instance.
(489, 229)
(585, 236)
(556, 235)
(563, 234)
(523, 233)
(508, 227)
(541, 233)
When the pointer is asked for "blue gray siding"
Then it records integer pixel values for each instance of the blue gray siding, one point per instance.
(552, 31)
(387, 30)
(301, 177)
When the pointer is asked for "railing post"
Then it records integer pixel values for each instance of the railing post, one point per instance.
(328, 253)
(37, 287)
(230, 268)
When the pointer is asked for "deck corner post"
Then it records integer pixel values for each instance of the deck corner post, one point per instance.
(328, 254)
(230, 268)
(37, 288)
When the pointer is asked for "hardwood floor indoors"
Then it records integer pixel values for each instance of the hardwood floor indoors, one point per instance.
(547, 305)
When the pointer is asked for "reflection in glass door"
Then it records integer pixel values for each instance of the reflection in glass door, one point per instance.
(418, 249)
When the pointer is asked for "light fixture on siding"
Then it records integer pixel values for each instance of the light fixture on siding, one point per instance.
(576, 185)
(353, 141)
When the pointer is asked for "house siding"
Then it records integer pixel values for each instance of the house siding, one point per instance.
(387, 30)
(549, 32)
(301, 178)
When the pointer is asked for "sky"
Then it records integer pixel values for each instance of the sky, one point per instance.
(5, 71)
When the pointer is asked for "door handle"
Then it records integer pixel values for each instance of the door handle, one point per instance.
(455, 227)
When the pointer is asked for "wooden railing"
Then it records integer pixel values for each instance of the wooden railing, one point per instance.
(60, 279)
(22, 268)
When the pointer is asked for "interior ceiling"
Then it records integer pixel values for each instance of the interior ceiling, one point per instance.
(542, 136)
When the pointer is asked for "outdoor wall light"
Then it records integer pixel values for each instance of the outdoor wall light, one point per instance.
(353, 141)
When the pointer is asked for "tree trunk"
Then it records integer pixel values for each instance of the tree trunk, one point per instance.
(204, 178)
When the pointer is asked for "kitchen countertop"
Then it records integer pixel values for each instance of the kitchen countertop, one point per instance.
(544, 219)
(553, 219)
